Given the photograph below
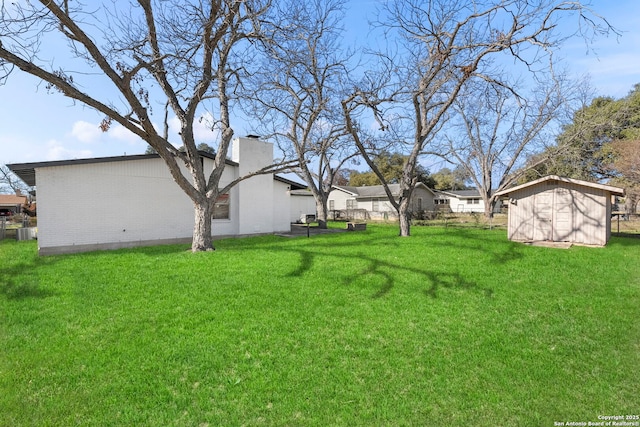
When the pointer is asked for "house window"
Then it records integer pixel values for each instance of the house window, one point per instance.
(332, 205)
(221, 207)
(419, 203)
(473, 201)
(374, 205)
(351, 203)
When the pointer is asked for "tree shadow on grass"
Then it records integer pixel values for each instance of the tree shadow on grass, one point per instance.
(384, 270)
(435, 281)
(21, 281)
(453, 281)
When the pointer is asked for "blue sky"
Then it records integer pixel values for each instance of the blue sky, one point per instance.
(37, 126)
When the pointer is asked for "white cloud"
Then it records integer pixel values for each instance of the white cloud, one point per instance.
(56, 151)
(91, 133)
(125, 135)
(201, 130)
(174, 124)
(86, 132)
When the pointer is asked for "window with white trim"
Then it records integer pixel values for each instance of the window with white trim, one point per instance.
(221, 207)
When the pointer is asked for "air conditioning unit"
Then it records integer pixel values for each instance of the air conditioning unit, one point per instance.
(28, 233)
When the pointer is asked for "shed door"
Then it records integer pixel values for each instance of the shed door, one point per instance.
(543, 216)
(563, 227)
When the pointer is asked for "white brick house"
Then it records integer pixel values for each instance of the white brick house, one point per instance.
(126, 201)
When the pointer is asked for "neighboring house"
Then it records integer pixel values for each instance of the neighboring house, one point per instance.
(559, 209)
(462, 201)
(372, 202)
(115, 202)
(13, 202)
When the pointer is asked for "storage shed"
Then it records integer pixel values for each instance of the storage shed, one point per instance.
(560, 209)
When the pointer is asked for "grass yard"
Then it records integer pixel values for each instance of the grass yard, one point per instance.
(450, 327)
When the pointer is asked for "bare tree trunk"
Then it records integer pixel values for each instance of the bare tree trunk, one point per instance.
(407, 185)
(202, 239)
(405, 217)
(321, 211)
(488, 207)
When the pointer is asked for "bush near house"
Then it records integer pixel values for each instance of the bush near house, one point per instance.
(452, 326)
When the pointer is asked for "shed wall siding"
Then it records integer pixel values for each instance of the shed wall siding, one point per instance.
(560, 211)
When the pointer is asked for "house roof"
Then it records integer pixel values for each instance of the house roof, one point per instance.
(27, 171)
(295, 186)
(302, 192)
(373, 190)
(461, 194)
(613, 190)
(12, 200)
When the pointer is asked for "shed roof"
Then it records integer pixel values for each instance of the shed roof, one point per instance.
(617, 191)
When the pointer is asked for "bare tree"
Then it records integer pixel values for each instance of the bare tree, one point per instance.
(123, 61)
(297, 99)
(494, 131)
(11, 184)
(444, 45)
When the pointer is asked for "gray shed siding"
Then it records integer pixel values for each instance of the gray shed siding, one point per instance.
(560, 211)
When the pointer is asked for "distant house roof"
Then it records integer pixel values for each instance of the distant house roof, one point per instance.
(613, 190)
(461, 194)
(373, 190)
(12, 200)
(27, 171)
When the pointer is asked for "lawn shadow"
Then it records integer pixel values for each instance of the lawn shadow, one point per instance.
(453, 281)
(469, 240)
(309, 252)
(383, 269)
(21, 281)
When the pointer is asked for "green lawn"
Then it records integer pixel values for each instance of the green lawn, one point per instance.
(451, 326)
